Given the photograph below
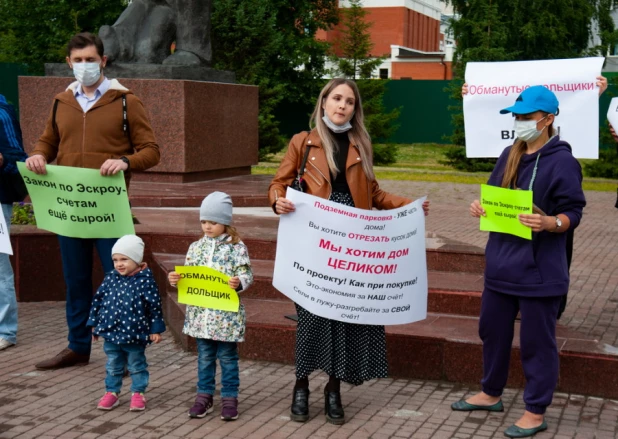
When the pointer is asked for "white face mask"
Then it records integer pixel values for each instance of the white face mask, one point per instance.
(526, 130)
(87, 73)
(336, 128)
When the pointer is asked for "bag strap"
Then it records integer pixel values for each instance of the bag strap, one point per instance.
(301, 171)
(125, 120)
(54, 126)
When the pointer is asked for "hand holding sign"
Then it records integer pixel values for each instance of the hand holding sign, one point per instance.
(491, 86)
(37, 164)
(502, 208)
(79, 202)
(353, 265)
(205, 287)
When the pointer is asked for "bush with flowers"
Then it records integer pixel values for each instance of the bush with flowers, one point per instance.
(23, 214)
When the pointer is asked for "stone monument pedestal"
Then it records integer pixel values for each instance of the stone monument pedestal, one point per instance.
(151, 71)
(205, 130)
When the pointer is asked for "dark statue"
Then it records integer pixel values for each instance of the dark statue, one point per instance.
(139, 44)
(146, 30)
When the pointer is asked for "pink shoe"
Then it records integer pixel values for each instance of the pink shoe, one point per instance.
(138, 402)
(109, 401)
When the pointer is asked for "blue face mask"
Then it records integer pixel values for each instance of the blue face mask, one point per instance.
(87, 73)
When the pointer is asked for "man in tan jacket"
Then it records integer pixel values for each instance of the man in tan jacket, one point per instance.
(96, 123)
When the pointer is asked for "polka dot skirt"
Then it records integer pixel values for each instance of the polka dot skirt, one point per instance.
(348, 351)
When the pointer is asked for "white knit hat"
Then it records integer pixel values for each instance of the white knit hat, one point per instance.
(131, 246)
(217, 207)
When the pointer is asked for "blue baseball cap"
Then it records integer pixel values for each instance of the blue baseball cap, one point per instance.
(535, 98)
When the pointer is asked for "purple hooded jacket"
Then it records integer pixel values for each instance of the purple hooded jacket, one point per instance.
(538, 267)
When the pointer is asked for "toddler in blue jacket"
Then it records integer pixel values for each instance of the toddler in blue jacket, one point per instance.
(126, 312)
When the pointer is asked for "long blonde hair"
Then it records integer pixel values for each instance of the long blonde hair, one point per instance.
(358, 135)
(509, 179)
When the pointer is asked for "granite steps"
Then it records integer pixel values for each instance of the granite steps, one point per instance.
(445, 346)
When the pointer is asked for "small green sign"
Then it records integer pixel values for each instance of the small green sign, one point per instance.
(503, 207)
(79, 202)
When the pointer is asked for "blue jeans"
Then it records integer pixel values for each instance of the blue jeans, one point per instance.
(77, 269)
(8, 302)
(120, 355)
(207, 353)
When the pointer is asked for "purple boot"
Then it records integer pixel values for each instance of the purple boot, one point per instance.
(229, 408)
(202, 406)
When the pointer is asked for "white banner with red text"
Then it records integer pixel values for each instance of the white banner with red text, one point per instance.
(493, 86)
(353, 265)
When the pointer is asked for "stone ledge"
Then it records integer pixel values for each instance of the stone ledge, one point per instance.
(151, 71)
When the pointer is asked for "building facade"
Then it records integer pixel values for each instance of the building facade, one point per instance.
(410, 32)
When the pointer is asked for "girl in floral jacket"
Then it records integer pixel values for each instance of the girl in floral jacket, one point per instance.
(217, 332)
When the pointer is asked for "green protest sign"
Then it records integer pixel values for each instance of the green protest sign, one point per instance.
(79, 202)
(503, 207)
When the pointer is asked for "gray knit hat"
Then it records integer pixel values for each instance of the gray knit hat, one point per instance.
(217, 207)
(131, 246)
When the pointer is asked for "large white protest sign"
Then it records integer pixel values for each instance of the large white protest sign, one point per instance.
(612, 113)
(493, 86)
(353, 265)
(5, 239)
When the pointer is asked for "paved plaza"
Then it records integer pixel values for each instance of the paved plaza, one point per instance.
(593, 295)
(61, 404)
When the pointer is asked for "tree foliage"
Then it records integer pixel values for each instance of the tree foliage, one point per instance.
(605, 167)
(34, 32)
(380, 123)
(356, 62)
(356, 45)
(517, 30)
(271, 44)
(268, 43)
(607, 164)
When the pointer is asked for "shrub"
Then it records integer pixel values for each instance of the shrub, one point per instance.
(456, 157)
(385, 154)
(605, 167)
(23, 214)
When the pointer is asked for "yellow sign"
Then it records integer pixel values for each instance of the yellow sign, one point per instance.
(503, 207)
(206, 287)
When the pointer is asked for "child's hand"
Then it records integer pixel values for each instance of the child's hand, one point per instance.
(173, 277)
(234, 282)
(156, 338)
(95, 337)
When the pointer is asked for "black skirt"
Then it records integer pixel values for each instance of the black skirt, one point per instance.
(350, 352)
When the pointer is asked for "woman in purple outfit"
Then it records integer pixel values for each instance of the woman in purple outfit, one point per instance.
(530, 277)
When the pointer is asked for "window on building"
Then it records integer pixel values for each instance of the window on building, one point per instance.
(383, 73)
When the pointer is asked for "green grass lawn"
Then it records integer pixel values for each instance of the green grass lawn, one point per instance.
(421, 162)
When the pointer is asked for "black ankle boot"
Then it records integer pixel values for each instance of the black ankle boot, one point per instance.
(333, 408)
(300, 405)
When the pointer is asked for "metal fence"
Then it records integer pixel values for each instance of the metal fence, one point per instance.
(8, 81)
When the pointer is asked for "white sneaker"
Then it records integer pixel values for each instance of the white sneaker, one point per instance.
(5, 344)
